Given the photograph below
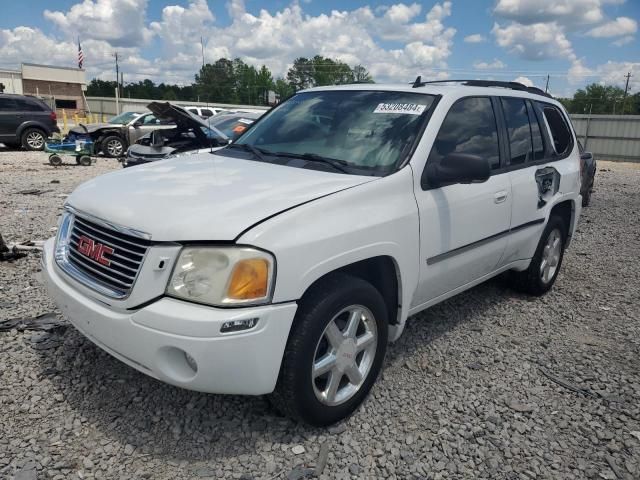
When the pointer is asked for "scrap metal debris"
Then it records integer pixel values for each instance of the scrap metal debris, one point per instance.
(33, 191)
(9, 254)
(48, 327)
(46, 322)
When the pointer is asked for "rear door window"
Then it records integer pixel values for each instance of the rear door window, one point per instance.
(560, 131)
(206, 112)
(518, 129)
(7, 105)
(536, 133)
(469, 127)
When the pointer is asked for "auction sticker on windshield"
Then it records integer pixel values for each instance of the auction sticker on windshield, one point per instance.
(404, 108)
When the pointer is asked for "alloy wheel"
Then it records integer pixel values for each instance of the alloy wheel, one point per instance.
(35, 140)
(344, 355)
(114, 148)
(551, 256)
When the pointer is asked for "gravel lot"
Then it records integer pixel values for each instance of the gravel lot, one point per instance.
(463, 393)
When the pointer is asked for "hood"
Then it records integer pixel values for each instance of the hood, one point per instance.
(183, 119)
(203, 196)
(92, 127)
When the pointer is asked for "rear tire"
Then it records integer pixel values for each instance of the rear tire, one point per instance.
(113, 146)
(33, 139)
(586, 198)
(334, 352)
(545, 264)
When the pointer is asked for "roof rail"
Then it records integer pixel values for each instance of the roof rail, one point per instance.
(485, 83)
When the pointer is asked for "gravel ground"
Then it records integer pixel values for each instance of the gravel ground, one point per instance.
(463, 393)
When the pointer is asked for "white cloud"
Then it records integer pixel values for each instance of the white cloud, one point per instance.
(623, 41)
(613, 73)
(564, 12)
(119, 22)
(578, 72)
(496, 64)
(615, 28)
(475, 38)
(525, 81)
(537, 41)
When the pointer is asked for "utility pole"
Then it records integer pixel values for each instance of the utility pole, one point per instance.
(546, 89)
(202, 47)
(626, 90)
(117, 73)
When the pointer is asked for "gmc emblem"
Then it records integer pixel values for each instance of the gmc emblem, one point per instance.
(96, 251)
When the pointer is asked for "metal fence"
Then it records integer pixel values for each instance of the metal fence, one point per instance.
(609, 137)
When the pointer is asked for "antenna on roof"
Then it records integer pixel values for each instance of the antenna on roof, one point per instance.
(418, 83)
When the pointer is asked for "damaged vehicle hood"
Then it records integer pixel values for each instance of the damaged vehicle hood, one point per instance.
(203, 196)
(93, 127)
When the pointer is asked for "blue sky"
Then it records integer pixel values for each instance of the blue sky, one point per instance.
(575, 41)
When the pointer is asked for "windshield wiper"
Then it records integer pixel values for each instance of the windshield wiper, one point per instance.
(314, 157)
(257, 152)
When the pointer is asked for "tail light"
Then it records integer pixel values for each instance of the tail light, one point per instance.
(53, 115)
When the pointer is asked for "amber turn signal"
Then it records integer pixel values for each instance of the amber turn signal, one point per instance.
(249, 280)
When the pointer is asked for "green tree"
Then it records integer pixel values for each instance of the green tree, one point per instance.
(300, 75)
(362, 75)
(283, 89)
(216, 83)
(599, 99)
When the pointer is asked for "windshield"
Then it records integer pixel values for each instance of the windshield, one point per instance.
(124, 118)
(364, 130)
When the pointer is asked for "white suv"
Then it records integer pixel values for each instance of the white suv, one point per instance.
(284, 263)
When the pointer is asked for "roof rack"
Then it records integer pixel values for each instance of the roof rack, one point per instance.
(485, 83)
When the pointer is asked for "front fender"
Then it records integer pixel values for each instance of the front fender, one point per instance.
(378, 218)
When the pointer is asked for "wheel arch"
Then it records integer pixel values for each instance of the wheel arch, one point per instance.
(566, 210)
(30, 124)
(381, 271)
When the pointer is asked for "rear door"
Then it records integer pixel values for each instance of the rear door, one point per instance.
(463, 227)
(541, 151)
(10, 119)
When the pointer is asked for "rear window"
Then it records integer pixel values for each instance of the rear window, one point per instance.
(515, 114)
(560, 132)
(29, 105)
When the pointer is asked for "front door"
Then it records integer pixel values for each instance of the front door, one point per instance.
(463, 227)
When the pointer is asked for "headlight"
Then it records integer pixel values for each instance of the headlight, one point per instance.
(62, 238)
(223, 276)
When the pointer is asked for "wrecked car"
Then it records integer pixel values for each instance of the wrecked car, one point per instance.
(191, 134)
(114, 137)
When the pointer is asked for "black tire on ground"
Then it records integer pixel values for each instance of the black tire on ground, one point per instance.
(33, 139)
(55, 160)
(586, 198)
(84, 160)
(532, 280)
(295, 393)
(113, 146)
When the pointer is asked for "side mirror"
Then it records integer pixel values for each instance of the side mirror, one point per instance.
(157, 140)
(137, 123)
(458, 168)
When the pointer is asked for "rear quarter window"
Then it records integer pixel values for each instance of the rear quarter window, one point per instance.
(560, 130)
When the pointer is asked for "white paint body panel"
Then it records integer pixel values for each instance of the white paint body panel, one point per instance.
(314, 223)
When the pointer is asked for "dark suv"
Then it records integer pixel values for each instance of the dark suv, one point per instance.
(25, 121)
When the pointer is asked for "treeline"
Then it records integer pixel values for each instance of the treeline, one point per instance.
(600, 99)
(234, 81)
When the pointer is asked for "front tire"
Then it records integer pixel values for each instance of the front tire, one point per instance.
(33, 139)
(334, 352)
(545, 264)
(113, 146)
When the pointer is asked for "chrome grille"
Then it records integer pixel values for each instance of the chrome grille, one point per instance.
(109, 257)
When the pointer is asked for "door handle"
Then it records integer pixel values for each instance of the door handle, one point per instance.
(500, 197)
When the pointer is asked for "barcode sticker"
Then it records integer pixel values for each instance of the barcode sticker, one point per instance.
(402, 108)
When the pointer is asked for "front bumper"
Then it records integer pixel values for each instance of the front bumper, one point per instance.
(166, 338)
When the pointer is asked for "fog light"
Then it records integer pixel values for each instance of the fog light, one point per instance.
(238, 325)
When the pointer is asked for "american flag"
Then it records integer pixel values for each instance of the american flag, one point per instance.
(80, 55)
